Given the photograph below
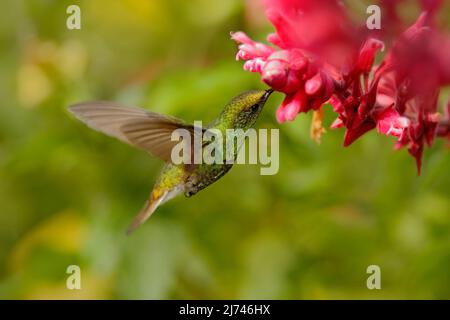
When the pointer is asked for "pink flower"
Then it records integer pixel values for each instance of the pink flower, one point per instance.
(303, 65)
(443, 129)
(390, 122)
(391, 21)
(319, 55)
(420, 60)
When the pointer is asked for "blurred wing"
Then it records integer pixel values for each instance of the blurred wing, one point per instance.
(138, 127)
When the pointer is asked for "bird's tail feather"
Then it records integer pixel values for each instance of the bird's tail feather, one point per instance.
(156, 199)
(149, 207)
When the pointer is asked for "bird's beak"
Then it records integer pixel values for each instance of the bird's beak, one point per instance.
(266, 95)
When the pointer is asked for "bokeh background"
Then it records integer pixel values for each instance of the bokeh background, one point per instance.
(67, 193)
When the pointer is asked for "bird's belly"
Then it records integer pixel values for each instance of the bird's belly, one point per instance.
(203, 176)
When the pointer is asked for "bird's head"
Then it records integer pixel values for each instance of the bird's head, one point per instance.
(243, 110)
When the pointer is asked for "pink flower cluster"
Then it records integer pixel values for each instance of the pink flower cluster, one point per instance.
(319, 55)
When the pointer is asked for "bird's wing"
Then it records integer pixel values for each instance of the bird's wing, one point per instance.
(138, 127)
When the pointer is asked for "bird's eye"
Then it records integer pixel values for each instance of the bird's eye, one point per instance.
(254, 107)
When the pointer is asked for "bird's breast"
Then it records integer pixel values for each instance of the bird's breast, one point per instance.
(203, 176)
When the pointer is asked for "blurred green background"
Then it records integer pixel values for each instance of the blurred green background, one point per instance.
(67, 193)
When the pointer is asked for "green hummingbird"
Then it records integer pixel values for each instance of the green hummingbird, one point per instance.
(152, 132)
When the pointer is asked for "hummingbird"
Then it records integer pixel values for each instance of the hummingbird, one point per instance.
(151, 132)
